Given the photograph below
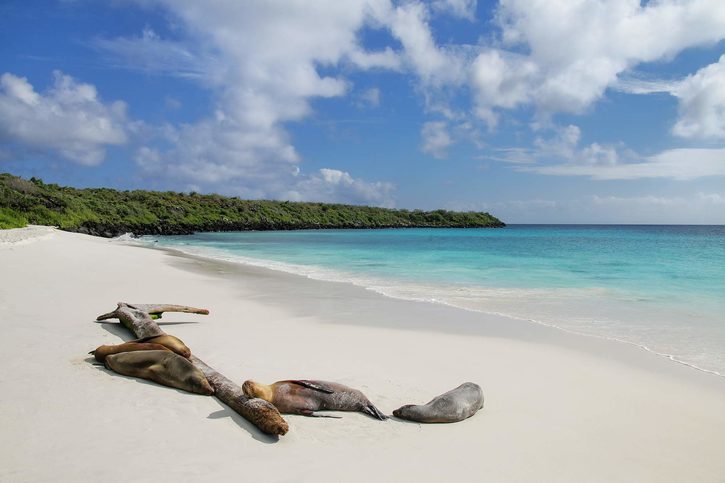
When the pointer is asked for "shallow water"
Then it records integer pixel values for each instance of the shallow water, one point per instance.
(659, 287)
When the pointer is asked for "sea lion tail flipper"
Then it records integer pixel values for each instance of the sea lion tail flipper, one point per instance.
(374, 412)
(92, 352)
(313, 385)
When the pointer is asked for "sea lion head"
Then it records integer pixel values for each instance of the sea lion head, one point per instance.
(256, 390)
(199, 384)
(405, 412)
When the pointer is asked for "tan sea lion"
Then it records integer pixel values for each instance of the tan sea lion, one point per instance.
(163, 366)
(455, 405)
(106, 350)
(170, 342)
(305, 397)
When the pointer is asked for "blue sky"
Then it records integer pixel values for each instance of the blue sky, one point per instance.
(584, 111)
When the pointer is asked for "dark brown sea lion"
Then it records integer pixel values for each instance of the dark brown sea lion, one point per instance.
(163, 366)
(455, 405)
(305, 397)
(106, 350)
(170, 342)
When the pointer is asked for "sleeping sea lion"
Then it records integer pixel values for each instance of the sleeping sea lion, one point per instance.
(455, 405)
(306, 397)
(164, 367)
(106, 350)
(170, 342)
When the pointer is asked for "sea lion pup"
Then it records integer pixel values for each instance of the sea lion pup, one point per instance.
(164, 367)
(106, 350)
(306, 397)
(170, 342)
(455, 405)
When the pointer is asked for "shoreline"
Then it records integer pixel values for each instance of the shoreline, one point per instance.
(244, 265)
(557, 406)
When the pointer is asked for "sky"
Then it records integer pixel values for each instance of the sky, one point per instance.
(538, 111)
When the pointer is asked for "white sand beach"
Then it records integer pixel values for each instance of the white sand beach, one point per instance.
(558, 406)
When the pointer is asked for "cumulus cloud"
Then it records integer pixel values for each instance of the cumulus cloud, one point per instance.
(266, 62)
(435, 66)
(574, 51)
(262, 60)
(702, 103)
(332, 185)
(458, 8)
(436, 138)
(69, 119)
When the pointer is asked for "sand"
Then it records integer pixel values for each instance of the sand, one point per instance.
(559, 407)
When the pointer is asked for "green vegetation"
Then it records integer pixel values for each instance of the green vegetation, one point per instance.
(107, 212)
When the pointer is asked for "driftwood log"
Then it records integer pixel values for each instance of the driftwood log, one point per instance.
(139, 319)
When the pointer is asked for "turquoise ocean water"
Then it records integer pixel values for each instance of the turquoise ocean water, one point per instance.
(659, 287)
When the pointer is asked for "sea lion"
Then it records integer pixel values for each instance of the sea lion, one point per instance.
(106, 350)
(305, 397)
(170, 342)
(164, 367)
(455, 405)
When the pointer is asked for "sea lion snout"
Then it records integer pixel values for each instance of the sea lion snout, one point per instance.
(401, 411)
(202, 386)
(254, 389)
(248, 388)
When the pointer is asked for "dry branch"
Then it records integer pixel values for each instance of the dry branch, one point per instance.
(137, 318)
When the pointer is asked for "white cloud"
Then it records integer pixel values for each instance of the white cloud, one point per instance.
(562, 155)
(332, 185)
(434, 65)
(458, 8)
(261, 60)
(436, 138)
(264, 62)
(149, 52)
(370, 97)
(575, 50)
(702, 103)
(632, 84)
(501, 79)
(679, 164)
(69, 119)
(384, 59)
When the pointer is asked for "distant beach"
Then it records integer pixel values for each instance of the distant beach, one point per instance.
(558, 406)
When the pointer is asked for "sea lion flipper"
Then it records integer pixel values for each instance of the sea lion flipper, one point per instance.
(374, 412)
(310, 413)
(144, 339)
(313, 385)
